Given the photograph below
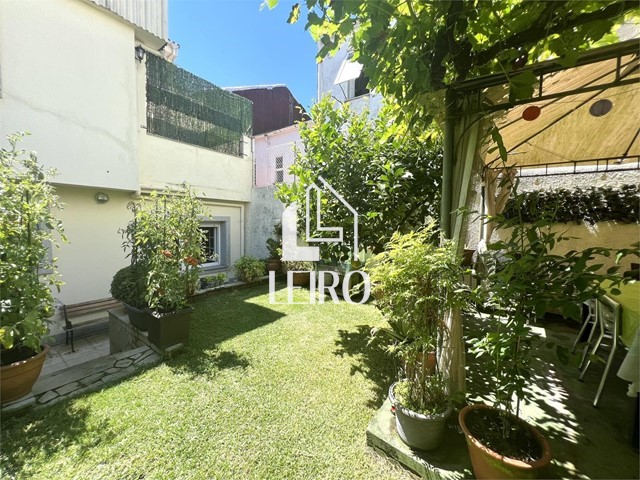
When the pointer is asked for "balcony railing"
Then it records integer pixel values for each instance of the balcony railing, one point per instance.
(187, 108)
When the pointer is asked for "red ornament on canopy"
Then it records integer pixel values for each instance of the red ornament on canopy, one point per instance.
(531, 113)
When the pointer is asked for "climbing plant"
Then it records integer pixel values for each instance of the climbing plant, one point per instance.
(411, 49)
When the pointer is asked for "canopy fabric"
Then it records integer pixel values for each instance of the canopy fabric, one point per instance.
(348, 71)
(565, 130)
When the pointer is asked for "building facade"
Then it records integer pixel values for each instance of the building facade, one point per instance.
(92, 84)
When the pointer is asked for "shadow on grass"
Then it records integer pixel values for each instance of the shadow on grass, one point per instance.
(218, 318)
(42, 435)
(370, 360)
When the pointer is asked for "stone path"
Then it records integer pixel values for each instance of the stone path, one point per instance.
(91, 375)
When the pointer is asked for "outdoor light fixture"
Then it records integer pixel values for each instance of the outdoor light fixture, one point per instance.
(102, 197)
(140, 53)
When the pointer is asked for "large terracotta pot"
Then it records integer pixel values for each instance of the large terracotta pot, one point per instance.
(170, 329)
(17, 378)
(488, 464)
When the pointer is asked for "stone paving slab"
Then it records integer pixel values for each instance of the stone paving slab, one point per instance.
(450, 461)
(92, 375)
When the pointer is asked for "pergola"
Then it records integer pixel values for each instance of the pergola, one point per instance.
(583, 118)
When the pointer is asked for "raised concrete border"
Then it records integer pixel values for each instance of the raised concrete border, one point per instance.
(448, 462)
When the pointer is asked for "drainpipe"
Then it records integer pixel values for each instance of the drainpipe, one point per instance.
(447, 164)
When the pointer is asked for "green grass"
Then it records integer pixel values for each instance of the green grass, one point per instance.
(262, 391)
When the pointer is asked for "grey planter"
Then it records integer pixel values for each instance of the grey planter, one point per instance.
(422, 432)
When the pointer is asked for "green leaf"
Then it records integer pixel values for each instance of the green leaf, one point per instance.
(522, 85)
(271, 4)
(294, 14)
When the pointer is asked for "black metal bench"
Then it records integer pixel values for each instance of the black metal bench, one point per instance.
(78, 309)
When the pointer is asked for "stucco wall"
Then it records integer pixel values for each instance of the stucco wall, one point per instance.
(262, 214)
(167, 162)
(270, 145)
(68, 77)
(94, 252)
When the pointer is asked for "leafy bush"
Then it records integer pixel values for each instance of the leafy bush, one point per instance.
(249, 268)
(274, 245)
(129, 285)
(27, 231)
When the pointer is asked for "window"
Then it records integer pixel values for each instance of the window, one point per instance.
(279, 169)
(361, 85)
(211, 245)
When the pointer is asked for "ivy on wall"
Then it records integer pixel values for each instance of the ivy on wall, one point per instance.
(589, 205)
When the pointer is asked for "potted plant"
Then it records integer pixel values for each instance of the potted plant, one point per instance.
(208, 281)
(420, 281)
(220, 279)
(129, 286)
(27, 272)
(248, 268)
(301, 272)
(167, 226)
(523, 280)
(274, 246)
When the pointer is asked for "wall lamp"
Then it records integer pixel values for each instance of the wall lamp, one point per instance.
(140, 53)
(102, 197)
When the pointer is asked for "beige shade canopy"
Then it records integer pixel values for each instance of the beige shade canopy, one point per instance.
(566, 130)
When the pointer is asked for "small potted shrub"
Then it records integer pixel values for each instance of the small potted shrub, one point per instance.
(301, 272)
(523, 280)
(274, 246)
(208, 281)
(129, 286)
(420, 281)
(248, 268)
(220, 279)
(27, 272)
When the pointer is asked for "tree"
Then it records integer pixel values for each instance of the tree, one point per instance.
(411, 49)
(390, 177)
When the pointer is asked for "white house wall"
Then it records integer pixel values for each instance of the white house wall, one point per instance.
(167, 162)
(68, 77)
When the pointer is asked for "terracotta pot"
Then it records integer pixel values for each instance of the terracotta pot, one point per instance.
(423, 432)
(488, 464)
(17, 379)
(170, 329)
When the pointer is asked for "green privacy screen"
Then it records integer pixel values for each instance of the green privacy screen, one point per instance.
(187, 108)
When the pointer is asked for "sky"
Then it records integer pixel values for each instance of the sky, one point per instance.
(234, 43)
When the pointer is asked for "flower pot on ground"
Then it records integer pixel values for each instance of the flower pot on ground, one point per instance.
(248, 268)
(129, 286)
(477, 420)
(300, 272)
(18, 377)
(27, 271)
(169, 329)
(420, 280)
(423, 431)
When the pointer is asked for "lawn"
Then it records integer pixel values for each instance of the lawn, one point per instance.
(262, 391)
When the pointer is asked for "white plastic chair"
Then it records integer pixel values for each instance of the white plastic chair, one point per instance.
(609, 316)
(592, 321)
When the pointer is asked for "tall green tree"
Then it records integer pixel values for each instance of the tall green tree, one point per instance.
(390, 177)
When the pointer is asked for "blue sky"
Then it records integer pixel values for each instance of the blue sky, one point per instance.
(233, 43)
